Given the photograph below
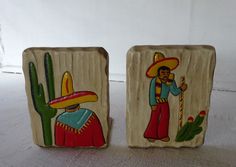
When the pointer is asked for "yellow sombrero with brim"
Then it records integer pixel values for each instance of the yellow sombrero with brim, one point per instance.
(159, 60)
(69, 97)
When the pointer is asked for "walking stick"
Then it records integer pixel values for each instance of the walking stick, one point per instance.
(181, 105)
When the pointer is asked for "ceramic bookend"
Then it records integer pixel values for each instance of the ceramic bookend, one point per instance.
(68, 96)
(168, 95)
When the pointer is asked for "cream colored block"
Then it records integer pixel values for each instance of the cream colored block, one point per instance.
(82, 69)
(191, 107)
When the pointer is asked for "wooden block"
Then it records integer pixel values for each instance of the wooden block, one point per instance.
(68, 96)
(168, 95)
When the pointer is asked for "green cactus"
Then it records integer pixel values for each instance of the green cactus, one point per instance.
(190, 129)
(37, 92)
(183, 131)
(198, 121)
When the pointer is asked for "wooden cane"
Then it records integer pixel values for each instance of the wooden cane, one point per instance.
(181, 105)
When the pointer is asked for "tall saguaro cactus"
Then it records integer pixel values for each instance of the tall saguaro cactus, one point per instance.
(41, 106)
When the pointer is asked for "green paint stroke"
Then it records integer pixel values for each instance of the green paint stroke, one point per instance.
(190, 129)
(44, 110)
(49, 76)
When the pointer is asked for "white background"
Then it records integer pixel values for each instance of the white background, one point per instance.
(119, 24)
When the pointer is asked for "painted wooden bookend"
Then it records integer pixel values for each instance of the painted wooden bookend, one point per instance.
(68, 96)
(168, 95)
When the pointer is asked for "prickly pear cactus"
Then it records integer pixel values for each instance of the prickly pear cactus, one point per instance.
(191, 128)
(37, 91)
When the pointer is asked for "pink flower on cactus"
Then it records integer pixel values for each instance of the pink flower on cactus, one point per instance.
(190, 119)
(202, 113)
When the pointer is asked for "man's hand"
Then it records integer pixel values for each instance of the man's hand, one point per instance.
(154, 108)
(183, 87)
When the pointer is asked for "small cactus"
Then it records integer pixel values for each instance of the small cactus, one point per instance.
(37, 92)
(191, 128)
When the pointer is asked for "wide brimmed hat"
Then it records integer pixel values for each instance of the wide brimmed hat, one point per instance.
(69, 97)
(159, 60)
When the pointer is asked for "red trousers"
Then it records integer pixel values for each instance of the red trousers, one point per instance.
(158, 126)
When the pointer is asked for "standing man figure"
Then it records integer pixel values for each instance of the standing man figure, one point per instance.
(161, 84)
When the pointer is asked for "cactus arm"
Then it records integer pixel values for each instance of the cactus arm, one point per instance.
(183, 132)
(33, 79)
(49, 76)
(36, 90)
(194, 131)
(197, 130)
(198, 121)
(38, 94)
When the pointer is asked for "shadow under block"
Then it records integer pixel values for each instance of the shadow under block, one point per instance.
(168, 95)
(68, 96)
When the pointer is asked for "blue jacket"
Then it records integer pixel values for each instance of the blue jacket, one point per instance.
(165, 89)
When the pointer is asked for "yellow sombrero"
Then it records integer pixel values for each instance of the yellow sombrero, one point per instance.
(69, 97)
(159, 60)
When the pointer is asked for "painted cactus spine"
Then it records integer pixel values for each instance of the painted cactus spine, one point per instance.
(37, 92)
(191, 128)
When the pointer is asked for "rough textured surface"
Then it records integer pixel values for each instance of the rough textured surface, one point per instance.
(196, 63)
(18, 150)
(89, 69)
